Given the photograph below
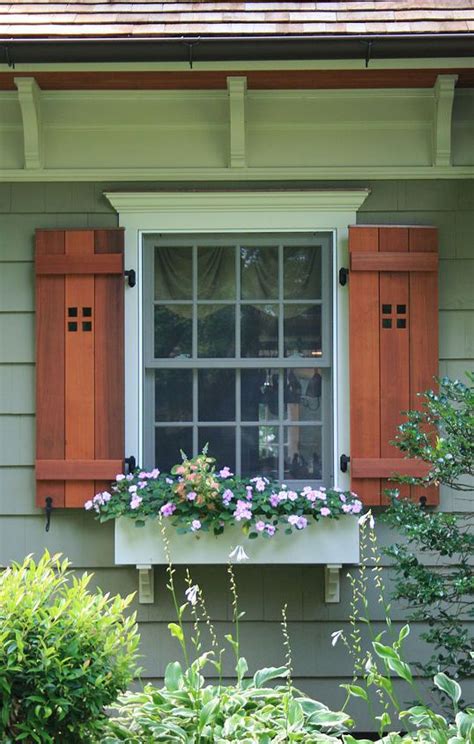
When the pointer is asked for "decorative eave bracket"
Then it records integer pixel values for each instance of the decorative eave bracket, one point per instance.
(443, 109)
(237, 89)
(332, 583)
(29, 97)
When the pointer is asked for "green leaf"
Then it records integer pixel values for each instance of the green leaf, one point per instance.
(385, 652)
(176, 631)
(241, 668)
(263, 676)
(173, 676)
(401, 669)
(449, 686)
(356, 691)
(207, 711)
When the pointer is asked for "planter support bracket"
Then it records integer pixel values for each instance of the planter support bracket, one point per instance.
(146, 584)
(332, 588)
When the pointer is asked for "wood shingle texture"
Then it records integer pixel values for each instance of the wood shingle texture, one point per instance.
(176, 18)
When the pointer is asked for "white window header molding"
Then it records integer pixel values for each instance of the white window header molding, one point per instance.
(156, 202)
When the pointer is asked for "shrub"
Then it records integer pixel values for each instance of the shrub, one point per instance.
(65, 653)
(441, 598)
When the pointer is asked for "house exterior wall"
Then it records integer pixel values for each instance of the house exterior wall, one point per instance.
(319, 668)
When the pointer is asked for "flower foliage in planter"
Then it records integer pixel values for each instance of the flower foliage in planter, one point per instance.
(196, 498)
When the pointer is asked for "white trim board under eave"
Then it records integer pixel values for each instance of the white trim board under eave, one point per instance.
(249, 211)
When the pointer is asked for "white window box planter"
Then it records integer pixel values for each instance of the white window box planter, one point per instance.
(331, 543)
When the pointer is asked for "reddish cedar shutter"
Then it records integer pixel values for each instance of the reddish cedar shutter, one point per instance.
(79, 363)
(393, 300)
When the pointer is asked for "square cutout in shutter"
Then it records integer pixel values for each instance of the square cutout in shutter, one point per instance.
(87, 325)
(87, 312)
(72, 327)
(72, 312)
(386, 309)
(401, 323)
(386, 322)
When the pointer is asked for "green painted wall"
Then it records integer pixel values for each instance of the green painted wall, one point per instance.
(318, 667)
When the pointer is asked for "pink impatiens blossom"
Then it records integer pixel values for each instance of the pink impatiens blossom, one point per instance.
(191, 495)
(88, 505)
(119, 477)
(260, 526)
(227, 496)
(135, 501)
(270, 529)
(325, 512)
(195, 525)
(249, 490)
(260, 483)
(242, 511)
(225, 472)
(167, 509)
(292, 495)
(274, 500)
(132, 489)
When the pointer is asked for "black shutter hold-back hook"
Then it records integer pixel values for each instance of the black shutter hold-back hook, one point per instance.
(48, 511)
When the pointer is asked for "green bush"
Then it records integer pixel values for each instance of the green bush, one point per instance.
(65, 653)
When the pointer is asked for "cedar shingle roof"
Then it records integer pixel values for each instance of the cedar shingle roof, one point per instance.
(89, 19)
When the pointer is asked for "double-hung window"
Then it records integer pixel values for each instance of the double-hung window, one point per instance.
(238, 351)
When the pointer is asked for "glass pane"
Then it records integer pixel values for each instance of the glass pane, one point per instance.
(260, 451)
(221, 440)
(259, 330)
(303, 452)
(302, 273)
(169, 440)
(259, 273)
(173, 395)
(303, 389)
(216, 331)
(259, 394)
(216, 394)
(216, 273)
(173, 273)
(302, 328)
(173, 331)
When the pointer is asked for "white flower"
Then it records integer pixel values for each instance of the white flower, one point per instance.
(192, 594)
(335, 636)
(238, 554)
(119, 477)
(88, 505)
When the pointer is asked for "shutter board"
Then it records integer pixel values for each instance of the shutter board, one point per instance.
(390, 275)
(80, 416)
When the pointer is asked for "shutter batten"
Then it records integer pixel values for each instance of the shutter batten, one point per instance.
(80, 389)
(393, 350)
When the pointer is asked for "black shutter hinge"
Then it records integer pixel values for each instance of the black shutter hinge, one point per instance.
(131, 276)
(344, 461)
(423, 502)
(130, 464)
(343, 276)
(48, 510)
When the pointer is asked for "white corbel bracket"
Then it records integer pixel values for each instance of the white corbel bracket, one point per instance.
(29, 97)
(237, 89)
(332, 586)
(146, 584)
(443, 109)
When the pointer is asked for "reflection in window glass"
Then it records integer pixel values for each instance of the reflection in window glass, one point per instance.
(216, 331)
(302, 273)
(259, 331)
(173, 273)
(173, 395)
(216, 273)
(302, 331)
(173, 331)
(259, 394)
(216, 394)
(259, 273)
(169, 440)
(303, 390)
(221, 440)
(302, 452)
(260, 451)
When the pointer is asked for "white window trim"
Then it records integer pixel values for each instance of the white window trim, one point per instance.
(242, 211)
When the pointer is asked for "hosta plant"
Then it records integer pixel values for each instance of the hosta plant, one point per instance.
(195, 497)
(65, 653)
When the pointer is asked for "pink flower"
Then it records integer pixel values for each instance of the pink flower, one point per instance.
(292, 495)
(180, 469)
(227, 496)
(154, 473)
(325, 512)
(119, 477)
(143, 475)
(132, 489)
(260, 526)
(136, 501)
(249, 490)
(129, 477)
(260, 483)
(242, 511)
(167, 509)
(106, 496)
(320, 495)
(191, 495)
(293, 519)
(270, 529)
(195, 525)
(310, 495)
(302, 523)
(88, 505)
(274, 500)
(347, 508)
(356, 507)
(342, 497)
(225, 472)
(142, 484)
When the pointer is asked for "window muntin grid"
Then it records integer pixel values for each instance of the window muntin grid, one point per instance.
(176, 385)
